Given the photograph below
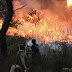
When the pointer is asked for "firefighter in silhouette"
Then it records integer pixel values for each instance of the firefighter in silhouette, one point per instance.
(35, 55)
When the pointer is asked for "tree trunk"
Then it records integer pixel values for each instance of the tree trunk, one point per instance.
(5, 26)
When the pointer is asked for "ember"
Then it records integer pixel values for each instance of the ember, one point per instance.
(1, 22)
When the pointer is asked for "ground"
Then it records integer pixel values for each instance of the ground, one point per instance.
(52, 63)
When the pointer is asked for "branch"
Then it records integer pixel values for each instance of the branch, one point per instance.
(20, 8)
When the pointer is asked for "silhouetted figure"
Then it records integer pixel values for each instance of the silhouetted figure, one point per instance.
(35, 55)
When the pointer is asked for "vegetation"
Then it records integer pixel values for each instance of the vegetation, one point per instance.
(53, 62)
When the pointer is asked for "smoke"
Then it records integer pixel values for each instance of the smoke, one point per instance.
(57, 7)
(45, 48)
(29, 43)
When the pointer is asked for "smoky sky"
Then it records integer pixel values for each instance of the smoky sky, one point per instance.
(45, 4)
(55, 6)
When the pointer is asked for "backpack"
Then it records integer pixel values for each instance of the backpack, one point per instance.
(35, 49)
(18, 60)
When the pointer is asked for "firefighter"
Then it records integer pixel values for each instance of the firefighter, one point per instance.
(35, 55)
(21, 57)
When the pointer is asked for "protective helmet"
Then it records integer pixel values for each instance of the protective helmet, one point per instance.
(22, 46)
(33, 41)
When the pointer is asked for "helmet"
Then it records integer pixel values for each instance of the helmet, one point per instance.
(22, 46)
(33, 41)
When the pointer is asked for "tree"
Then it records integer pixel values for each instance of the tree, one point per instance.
(8, 18)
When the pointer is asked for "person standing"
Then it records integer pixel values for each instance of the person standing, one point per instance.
(35, 53)
(21, 57)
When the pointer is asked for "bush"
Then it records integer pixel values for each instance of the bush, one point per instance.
(70, 70)
(65, 70)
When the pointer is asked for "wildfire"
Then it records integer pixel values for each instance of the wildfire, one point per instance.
(46, 26)
(69, 3)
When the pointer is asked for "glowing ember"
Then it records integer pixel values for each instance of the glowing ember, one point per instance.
(69, 2)
(1, 22)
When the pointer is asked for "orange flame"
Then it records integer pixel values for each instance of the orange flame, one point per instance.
(69, 3)
(1, 22)
(47, 30)
(46, 27)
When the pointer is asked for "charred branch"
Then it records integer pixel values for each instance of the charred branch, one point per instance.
(20, 8)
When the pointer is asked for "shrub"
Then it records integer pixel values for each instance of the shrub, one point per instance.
(65, 70)
(70, 70)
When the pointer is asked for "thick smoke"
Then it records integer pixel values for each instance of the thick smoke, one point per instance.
(45, 48)
(58, 7)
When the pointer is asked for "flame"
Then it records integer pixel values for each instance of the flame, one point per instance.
(69, 3)
(1, 22)
(47, 27)
(44, 29)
